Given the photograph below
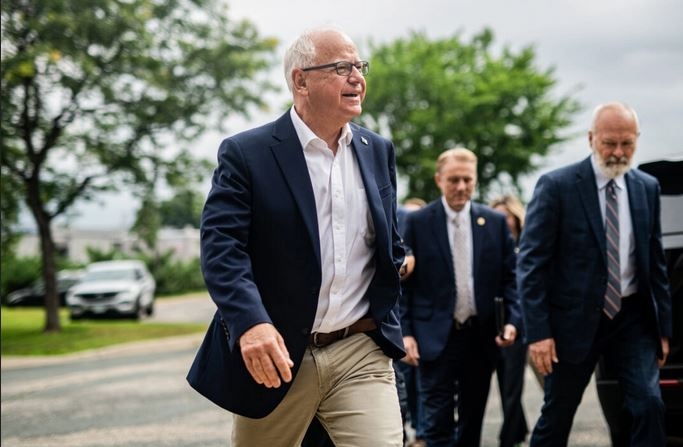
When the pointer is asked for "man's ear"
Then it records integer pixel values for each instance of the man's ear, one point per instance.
(299, 80)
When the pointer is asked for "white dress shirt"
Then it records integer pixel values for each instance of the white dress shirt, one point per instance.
(345, 229)
(627, 243)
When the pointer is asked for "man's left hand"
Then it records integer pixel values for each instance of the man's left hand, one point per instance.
(665, 352)
(407, 267)
(509, 336)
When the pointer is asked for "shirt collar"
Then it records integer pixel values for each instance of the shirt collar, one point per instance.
(601, 179)
(451, 213)
(306, 135)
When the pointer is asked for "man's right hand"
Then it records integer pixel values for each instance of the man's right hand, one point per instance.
(543, 355)
(265, 355)
(412, 354)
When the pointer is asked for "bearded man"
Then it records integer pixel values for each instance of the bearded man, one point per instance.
(592, 280)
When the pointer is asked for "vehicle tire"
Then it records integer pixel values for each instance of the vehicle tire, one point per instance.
(150, 309)
(74, 317)
(138, 311)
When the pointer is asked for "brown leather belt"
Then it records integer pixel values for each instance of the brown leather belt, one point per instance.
(322, 339)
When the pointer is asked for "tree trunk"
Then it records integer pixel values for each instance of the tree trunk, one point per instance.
(52, 323)
(47, 246)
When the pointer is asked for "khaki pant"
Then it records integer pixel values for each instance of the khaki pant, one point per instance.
(349, 385)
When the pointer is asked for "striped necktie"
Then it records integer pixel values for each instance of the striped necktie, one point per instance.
(613, 291)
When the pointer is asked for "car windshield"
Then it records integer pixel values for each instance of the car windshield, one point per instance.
(109, 275)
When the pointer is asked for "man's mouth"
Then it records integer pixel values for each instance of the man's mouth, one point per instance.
(612, 160)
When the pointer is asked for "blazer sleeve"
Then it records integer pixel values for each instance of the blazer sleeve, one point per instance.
(225, 226)
(513, 307)
(658, 273)
(407, 289)
(536, 249)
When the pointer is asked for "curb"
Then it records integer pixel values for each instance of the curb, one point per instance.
(165, 344)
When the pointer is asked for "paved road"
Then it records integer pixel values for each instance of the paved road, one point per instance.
(136, 395)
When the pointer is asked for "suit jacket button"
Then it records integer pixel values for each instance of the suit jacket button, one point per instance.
(305, 331)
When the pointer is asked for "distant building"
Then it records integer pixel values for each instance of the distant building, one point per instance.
(73, 243)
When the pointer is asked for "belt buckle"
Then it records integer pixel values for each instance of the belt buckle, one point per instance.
(316, 343)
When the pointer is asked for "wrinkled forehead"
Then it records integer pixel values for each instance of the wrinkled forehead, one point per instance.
(331, 45)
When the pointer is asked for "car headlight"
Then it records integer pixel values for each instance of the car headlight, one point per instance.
(128, 295)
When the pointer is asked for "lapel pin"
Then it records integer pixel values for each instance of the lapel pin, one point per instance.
(364, 140)
(481, 221)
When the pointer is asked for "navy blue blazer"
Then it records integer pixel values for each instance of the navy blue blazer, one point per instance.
(428, 306)
(260, 256)
(562, 270)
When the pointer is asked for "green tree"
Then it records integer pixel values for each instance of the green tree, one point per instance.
(98, 94)
(431, 95)
(9, 215)
(183, 209)
(182, 176)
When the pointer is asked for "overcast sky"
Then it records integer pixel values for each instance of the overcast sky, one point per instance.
(601, 50)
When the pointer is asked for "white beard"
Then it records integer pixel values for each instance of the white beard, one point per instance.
(613, 167)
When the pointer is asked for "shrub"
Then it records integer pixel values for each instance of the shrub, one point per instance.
(18, 273)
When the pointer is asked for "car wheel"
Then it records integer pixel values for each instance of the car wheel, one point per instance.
(150, 309)
(74, 317)
(138, 311)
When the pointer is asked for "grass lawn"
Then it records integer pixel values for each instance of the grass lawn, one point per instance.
(22, 332)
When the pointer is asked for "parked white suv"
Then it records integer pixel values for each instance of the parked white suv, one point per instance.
(119, 287)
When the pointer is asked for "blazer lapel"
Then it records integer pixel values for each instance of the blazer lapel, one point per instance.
(585, 183)
(637, 200)
(478, 223)
(362, 149)
(289, 155)
(439, 224)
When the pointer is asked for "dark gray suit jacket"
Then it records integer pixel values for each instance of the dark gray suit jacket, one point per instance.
(562, 271)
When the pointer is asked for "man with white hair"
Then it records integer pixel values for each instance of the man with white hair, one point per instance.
(301, 254)
(592, 279)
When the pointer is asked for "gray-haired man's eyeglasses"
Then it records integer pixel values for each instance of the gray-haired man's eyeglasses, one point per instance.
(344, 68)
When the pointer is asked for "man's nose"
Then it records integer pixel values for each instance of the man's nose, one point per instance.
(619, 150)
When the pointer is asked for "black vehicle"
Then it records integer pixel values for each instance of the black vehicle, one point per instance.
(34, 295)
(670, 175)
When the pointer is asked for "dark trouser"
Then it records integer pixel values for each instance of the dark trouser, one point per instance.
(402, 395)
(411, 377)
(510, 372)
(466, 362)
(628, 346)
